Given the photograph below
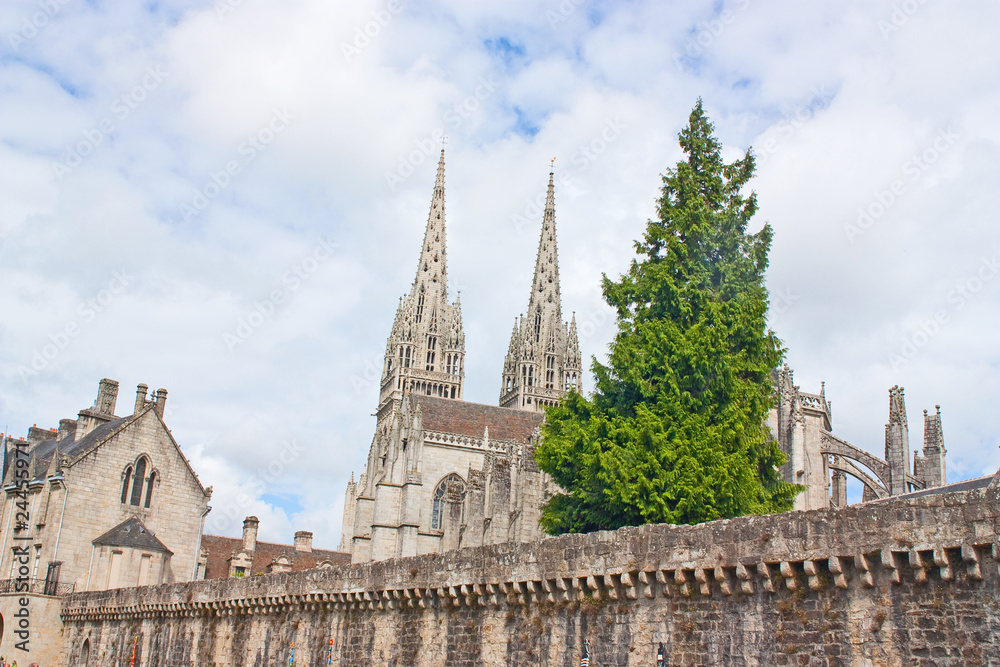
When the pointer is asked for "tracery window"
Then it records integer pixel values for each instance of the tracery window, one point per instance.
(431, 346)
(451, 489)
(134, 482)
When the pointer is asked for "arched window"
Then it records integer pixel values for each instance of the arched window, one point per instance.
(126, 480)
(431, 347)
(450, 490)
(149, 489)
(85, 652)
(140, 477)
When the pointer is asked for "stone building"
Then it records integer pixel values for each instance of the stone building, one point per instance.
(241, 557)
(822, 461)
(444, 473)
(111, 502)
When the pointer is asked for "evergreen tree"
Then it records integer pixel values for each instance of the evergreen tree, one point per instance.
(675, 431)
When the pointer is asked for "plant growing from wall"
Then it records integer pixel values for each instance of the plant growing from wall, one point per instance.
(675, 431)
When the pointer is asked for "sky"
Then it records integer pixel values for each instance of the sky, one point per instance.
(226, 199)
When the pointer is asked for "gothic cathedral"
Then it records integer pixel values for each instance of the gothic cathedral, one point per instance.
(443, 473)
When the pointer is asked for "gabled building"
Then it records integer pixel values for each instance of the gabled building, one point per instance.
(106, 502)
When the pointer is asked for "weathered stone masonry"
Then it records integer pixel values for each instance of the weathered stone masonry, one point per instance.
(909, 580)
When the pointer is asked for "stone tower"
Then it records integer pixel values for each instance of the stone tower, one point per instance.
(543, 361)
(425, 352)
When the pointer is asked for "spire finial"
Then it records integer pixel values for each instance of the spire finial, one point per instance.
(552, 166)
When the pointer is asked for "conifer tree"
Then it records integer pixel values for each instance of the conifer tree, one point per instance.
(675, 431)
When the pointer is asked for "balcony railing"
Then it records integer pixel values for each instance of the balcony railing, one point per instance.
(37, 586)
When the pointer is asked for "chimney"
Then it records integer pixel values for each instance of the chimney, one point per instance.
(107, 396)
(250, 533)
(140, 397)
(160, 401)
(67, 427)
(304, 541)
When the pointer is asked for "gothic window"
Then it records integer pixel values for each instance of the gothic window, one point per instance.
(538, 325)
(431, 346)
(531, 376)
(450, 490)
(453, 392)
(149, 490)
(137, 482)
(550, 371)
(420, 303)
(125, 483)
(406, 356)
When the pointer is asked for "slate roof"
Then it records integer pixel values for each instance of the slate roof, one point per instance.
(471, 419)
(44, 451)
(134, 534)
(222, 549)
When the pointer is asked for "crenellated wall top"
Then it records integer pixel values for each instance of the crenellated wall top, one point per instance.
(945, 535)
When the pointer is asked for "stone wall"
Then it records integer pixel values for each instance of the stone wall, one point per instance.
(910, 580)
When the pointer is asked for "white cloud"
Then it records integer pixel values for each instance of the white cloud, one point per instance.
(833, 108)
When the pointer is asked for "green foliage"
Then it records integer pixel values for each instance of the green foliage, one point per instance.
(675, 431)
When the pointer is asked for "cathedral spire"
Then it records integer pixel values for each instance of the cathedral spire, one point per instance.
(540, 365)
(432, 270)
(545, 285)
(425, 352)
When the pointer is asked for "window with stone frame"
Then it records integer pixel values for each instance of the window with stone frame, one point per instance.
(451, 489)
(431, 347)
(126, 483)
(137, 487)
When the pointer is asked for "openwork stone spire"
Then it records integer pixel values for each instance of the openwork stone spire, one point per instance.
(543, 361)
(425, 352)
(432, 270)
